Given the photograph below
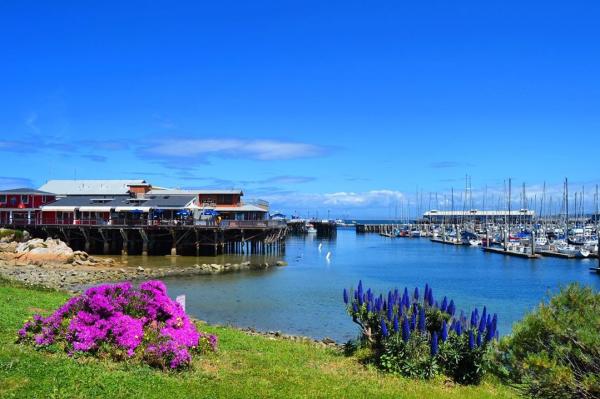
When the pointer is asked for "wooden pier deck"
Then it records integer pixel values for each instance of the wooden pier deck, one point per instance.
(226, 237)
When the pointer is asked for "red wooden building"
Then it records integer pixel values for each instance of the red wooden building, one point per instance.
(21, 206)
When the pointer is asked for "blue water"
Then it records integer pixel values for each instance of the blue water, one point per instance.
(305, 298)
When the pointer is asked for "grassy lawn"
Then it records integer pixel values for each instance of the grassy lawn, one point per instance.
(245, 367)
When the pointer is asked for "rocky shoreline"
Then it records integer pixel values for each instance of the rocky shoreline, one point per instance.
(52, 264)
(325, 342)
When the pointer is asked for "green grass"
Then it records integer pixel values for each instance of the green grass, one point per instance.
(245, 367)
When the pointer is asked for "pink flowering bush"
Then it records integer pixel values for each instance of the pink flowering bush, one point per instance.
(121, 322)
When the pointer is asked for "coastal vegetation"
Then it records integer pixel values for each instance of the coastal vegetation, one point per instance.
(245, 366)
(554, 352)
(121, 322)
(420, 337)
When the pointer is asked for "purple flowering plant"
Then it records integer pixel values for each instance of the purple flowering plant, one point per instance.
(415, 335)
(122, 322)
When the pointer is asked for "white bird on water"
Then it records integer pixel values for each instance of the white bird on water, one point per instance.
(320, 246)
(328, 256)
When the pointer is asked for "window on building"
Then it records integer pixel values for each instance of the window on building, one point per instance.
(2, 198)
(24, 199)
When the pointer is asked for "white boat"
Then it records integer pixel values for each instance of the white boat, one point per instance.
(541, 244)
(591, 245)
(415, 233)
(475, 243)
(573, 251)
(310, 229)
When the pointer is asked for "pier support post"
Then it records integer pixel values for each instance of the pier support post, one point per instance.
(86, 236)
(144, 242)
(105, 243)
(215, 242)
(197, 242)
(532, 242)
(174, 243)
(125, 247)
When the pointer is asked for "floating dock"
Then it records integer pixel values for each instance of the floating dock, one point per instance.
(442, 241)
(555, 254)
(502, 251)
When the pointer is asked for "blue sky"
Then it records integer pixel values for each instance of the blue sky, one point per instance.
(350, 107)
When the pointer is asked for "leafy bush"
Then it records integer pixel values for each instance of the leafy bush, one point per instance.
(554, 352)
(420, 337)
(121, 322)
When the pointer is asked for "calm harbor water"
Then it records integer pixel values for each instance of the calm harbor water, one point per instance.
(305, 298)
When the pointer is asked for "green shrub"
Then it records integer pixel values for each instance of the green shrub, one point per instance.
(554, 352)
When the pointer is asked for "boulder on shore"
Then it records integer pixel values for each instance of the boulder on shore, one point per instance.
(49, 251)
(38, 251)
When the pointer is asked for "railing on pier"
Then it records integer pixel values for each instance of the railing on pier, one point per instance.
(224, 224)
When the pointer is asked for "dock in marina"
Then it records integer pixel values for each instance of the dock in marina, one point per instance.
(447, 242)
(555, 254)
(502, 251)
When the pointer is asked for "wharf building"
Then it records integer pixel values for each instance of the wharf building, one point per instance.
(132, 216)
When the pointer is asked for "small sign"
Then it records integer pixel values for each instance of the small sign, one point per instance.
(181, 300)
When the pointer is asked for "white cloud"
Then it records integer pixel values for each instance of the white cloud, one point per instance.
(371, 198)
(264, 150)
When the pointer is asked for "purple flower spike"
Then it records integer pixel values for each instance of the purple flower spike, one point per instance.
(396, 326)
(444, 331)
(422, 319)
(451, 308)
(459, 329)
(444, 304)
(416, 294)
(345, 296)
(471, 340)
(384, 330)
(434, 344)
(405, 330)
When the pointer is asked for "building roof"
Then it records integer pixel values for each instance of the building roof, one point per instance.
(242, 208)
(104, 203)
(24, 190)
(168, 201)
(90, 187)
(77, 201)
(194, 192)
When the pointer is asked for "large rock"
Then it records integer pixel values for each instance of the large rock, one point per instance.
(44, 251)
